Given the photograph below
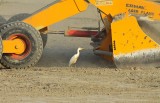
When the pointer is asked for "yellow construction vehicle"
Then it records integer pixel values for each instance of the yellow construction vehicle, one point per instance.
(130, 36)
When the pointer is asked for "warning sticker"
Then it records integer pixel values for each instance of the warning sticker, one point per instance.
(104, 2)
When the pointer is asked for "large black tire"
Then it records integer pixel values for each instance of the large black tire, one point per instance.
(1, 47)
(32, 39)
(18, 17)
(44, 39)
(2, 20)
(22, 16)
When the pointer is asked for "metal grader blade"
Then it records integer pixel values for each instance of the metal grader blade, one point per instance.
(139, 43)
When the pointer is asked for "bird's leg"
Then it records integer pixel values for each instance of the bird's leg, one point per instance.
(75, 66)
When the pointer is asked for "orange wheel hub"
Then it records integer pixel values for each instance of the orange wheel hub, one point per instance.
(23, 45)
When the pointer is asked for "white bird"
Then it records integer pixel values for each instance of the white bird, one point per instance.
(75, 57)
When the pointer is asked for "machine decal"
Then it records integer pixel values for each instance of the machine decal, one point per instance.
(104, 2)
(139, 9)
(147, 13)
(135, 6)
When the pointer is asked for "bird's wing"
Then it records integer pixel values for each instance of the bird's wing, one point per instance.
(73, 60)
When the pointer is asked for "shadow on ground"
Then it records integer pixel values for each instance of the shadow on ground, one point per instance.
(59, 50)
(61, 59)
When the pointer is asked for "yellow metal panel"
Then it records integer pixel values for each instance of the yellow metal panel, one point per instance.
(81, 4)
(140, 7)
(68, 8)
(55, 13)
(127, 37)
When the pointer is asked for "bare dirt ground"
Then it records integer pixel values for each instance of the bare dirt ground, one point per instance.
(93, 81)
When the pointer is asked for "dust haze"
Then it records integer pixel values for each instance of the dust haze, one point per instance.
(94, 80)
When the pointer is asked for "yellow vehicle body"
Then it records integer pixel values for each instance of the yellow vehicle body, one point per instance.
(125, 41)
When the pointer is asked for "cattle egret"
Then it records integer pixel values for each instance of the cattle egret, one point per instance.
(75, 57)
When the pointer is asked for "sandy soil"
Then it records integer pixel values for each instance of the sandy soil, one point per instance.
(94, 80)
